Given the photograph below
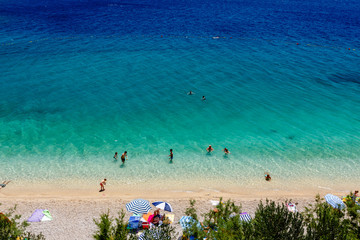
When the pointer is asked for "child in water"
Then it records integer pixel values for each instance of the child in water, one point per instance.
(171, 155)
(226, 151)
(267, 177)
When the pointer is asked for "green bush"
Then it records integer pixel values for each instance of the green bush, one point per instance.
(275, 221)
(163, 232)
(109, 231)
(11, 228)
(325, 222)
(271, 222)
(193, 229)
(223, 222)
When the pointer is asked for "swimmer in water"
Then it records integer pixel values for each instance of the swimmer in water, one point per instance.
(203, 98)
(123, 156)
(210, 149)
(190, 93)
(226, 151)
(116, 156)
(171, 155)
(267, 177)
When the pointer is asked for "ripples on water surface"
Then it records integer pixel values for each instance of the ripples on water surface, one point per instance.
(81, 80)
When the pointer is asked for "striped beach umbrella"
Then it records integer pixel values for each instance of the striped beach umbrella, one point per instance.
(245, 217)
(187, 221)
(138, 206)
(163, 205)
(334, 201)
(154, 234)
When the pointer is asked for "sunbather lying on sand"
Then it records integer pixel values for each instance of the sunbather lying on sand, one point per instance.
(3, 184)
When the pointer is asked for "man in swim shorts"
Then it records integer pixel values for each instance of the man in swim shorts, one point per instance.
(171, 155)
(123, 156)
(210, 149)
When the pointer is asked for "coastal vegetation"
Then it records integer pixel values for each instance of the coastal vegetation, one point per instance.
(272, 221)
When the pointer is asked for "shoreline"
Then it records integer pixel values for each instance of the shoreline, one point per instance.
(167, 191)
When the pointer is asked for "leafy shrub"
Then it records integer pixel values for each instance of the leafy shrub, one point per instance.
(275, 221)
(325, 222)
(163, 232)
(109, 231)
(193, 230)
(11, 228)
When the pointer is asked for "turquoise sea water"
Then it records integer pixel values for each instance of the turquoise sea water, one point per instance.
(80, 82)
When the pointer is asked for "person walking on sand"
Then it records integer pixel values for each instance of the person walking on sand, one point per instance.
(171, 155)
(102, 184)
(3, 184)
(123, 156)
(210, 149)
(116, 156)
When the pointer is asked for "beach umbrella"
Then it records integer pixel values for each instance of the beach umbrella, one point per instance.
(163, 205)
(245, 217)
(334, 201)
(187, 221)
(138, 206)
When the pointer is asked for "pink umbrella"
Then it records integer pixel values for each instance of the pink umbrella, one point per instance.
(150, 218)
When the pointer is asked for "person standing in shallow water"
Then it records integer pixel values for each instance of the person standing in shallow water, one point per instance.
(267, 177)
(123, 156)
(171, 155)
(209, 149)
(116, 156)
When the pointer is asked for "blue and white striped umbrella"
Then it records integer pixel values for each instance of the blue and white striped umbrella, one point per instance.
(334, 201)
(138, 206)
(143, 237)
(154, 234)
(163, 205)
(245, 217)
(187, 221)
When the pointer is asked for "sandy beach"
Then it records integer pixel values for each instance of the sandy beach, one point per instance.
(74, 209)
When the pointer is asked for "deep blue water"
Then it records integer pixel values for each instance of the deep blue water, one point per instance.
(80, 80)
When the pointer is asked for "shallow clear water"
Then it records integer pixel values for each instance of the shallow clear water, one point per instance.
(81, 80)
